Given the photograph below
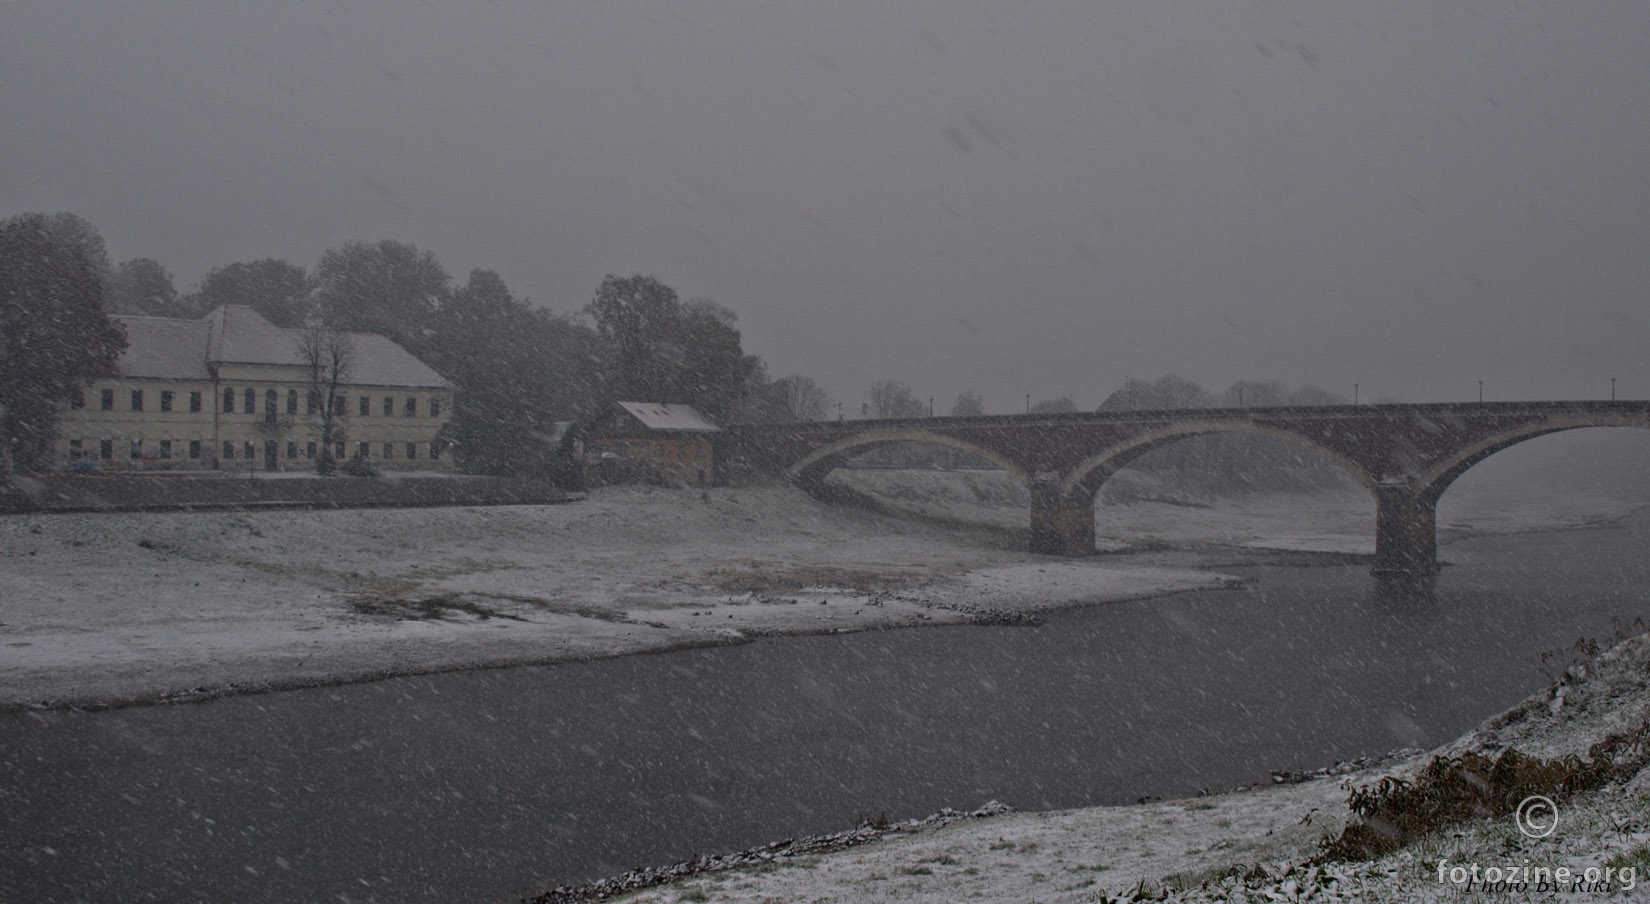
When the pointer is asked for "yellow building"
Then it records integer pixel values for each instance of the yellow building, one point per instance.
(234, 391)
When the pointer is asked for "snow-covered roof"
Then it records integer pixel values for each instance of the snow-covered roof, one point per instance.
(663, 416)
(164, 348)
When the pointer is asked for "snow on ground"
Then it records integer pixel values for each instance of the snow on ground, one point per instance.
(119, 607)
(112, 607)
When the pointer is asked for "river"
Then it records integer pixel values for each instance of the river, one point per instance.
(487, 786)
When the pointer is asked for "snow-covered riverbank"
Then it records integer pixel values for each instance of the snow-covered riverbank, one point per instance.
(118, 607)
(132, 607)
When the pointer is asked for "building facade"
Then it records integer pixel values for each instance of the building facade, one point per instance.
(653, 442)
(232, 391)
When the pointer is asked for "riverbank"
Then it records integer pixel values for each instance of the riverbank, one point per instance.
(103, 609)
(108, 609)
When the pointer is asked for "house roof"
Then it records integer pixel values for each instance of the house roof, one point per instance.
(164, 348)
(662, 416)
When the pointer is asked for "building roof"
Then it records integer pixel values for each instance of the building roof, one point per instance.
(662, 416)
(164, 348)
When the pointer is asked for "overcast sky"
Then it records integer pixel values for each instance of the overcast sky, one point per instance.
(1041, 198)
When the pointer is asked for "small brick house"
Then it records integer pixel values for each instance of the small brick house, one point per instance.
(653, 442)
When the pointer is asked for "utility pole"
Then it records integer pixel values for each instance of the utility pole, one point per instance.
(1480, 392)
(930, 406)
(1354, 393)
(1028, 403)
(1612, 389)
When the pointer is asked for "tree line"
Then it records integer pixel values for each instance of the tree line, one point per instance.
(518, 368)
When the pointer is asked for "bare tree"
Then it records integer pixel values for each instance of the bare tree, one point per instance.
(330, 356)
(804, 399)
(968, 405)
(891, 399)
(1061, 405)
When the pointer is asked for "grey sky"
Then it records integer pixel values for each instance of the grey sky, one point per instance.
(1044, 198)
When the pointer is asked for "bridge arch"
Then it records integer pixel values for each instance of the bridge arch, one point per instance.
(1083, 482)
(809, 472)
(1431, 485)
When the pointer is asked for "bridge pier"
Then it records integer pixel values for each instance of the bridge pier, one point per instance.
(1060, 525)
(1406, 531)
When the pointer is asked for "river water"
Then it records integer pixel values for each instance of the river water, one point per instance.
(488, 786)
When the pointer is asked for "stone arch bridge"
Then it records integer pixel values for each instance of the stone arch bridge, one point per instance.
(1405, 455)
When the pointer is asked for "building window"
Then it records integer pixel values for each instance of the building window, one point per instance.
(195, 447)
(292, 401)
(229, 401)
(309, 451)
(389, 451)
(291, 449)
(389, 406)
(270, 403)
(105, 449)
(195, 402)
(250, 450)
(362, 450)
(251, 400)
(412, 451)
(338, 451)
(435, 408)
(435, 449)
(77, 450)
(166, 448)
(312, 402)
(106, 400)
(77, 399)
(166, 400)
(412, 407)
(366, 406)
(137, 400)
(339, 406)
(228, 450)
(137, 449)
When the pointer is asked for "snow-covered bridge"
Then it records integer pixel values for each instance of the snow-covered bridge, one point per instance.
(1406, 455)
